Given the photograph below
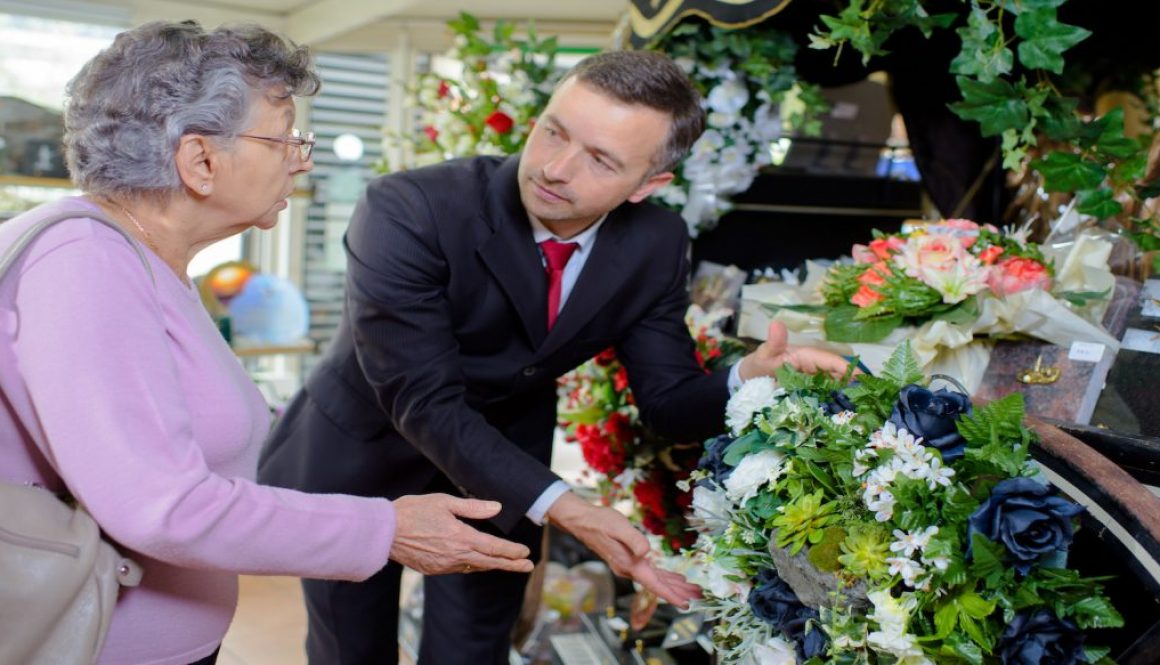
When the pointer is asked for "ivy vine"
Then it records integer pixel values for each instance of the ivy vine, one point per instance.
(1009, 71)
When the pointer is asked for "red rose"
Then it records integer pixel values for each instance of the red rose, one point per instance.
(431, 133)
(444, 89)
(620, 380)
(500, 122)
(606, 357)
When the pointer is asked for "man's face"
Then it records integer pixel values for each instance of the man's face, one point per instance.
(587, 154)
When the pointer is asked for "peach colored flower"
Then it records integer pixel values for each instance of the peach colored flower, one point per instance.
(988, 256)
(879, 249)
(875, 274)
(1018, 274)
(866, 296)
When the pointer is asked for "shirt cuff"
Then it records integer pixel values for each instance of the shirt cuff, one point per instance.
(540, 508)
(735, 377)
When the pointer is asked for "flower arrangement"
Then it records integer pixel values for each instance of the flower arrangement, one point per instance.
(745, 77)
(881, 521)
(931, 273)
(490, 109)
(630, 462)
(947, 288)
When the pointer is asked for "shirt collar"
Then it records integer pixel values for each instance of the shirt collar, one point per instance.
(540, 233)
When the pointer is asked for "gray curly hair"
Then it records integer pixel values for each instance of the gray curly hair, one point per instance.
(130, 105)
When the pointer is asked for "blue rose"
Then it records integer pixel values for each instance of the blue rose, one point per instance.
(839, 403)
(809, 640)
(933, 416)
(1041, 639)
(772, 600)
(713, 460)
(1028, 518)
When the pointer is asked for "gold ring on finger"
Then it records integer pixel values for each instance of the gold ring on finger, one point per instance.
(467, 568)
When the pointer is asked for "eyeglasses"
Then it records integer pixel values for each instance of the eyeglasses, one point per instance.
(305, 144)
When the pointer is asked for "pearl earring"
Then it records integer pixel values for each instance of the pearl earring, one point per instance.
(204, 188)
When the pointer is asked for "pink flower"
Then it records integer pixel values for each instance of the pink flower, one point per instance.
(1018, 274)
(875, 274)
(431, 133)
(941, 261)
(963, 229)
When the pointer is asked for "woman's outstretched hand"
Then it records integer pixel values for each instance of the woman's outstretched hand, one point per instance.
(431, 538)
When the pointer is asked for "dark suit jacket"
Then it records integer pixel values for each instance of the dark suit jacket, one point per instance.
(443, 364)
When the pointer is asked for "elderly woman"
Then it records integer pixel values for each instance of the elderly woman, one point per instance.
(128, 397)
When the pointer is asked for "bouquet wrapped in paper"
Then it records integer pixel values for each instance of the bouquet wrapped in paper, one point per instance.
(945, 287)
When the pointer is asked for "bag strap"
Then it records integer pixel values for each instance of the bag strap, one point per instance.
(24, 239)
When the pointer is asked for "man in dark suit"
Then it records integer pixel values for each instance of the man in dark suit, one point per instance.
(442, 376)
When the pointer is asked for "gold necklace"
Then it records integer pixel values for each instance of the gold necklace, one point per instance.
(148, 238)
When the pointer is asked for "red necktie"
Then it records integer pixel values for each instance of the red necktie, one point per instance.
(556, 255)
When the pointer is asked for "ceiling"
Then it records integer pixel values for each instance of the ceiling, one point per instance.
(371, 25)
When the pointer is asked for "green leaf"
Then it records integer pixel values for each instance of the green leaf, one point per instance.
(1095, 654)
(902, 368)
(995, 105)
(987, 558)
(1096, 612)
(1068, 172)
(973, 605)
(965, 312)
(963, 649)
(1112, 141)
(974, 630)
(983, 56)
(1045, 39)
(945, 620)
(750, 442)
(1099, 203)
(1082, 299)
(842, 325)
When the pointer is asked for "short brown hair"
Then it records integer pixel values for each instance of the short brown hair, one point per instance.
(650, 79)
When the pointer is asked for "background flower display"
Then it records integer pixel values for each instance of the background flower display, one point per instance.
(885, 522)
(942, 286)
(631, 463)
(491, 107)
(751, 94)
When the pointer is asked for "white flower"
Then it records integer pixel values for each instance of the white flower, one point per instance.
(775, 651)
(752, 473)
(883, 506)
(909, 569)
(914, 541)
(711, 507)
(749, 400)
(940, 563)
(843, 418)
(729, 97)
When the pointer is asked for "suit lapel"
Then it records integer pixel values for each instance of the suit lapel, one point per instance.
(510, 252)
(604, 273)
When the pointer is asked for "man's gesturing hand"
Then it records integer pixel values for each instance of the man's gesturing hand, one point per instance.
(611, 536)
(776, 351)
(430, 538)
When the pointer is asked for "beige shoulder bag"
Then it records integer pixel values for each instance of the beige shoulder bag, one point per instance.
(58, 577)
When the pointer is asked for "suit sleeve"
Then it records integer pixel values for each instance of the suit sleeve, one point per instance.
(397, 299)
(676, 398)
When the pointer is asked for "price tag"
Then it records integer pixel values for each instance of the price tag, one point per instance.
(1152, 298)
(1086, 352)
(1147, 341)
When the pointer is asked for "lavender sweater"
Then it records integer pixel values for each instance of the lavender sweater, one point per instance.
(126, 391)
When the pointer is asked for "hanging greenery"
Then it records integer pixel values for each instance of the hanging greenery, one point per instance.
(1012, 75)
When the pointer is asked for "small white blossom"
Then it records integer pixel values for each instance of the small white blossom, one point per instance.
(774, 651)
(909, 569)
(842, 417)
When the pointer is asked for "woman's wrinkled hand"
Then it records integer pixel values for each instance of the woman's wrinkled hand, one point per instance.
(431, 538)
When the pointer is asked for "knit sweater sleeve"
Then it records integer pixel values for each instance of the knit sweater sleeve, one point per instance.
(113, 418)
